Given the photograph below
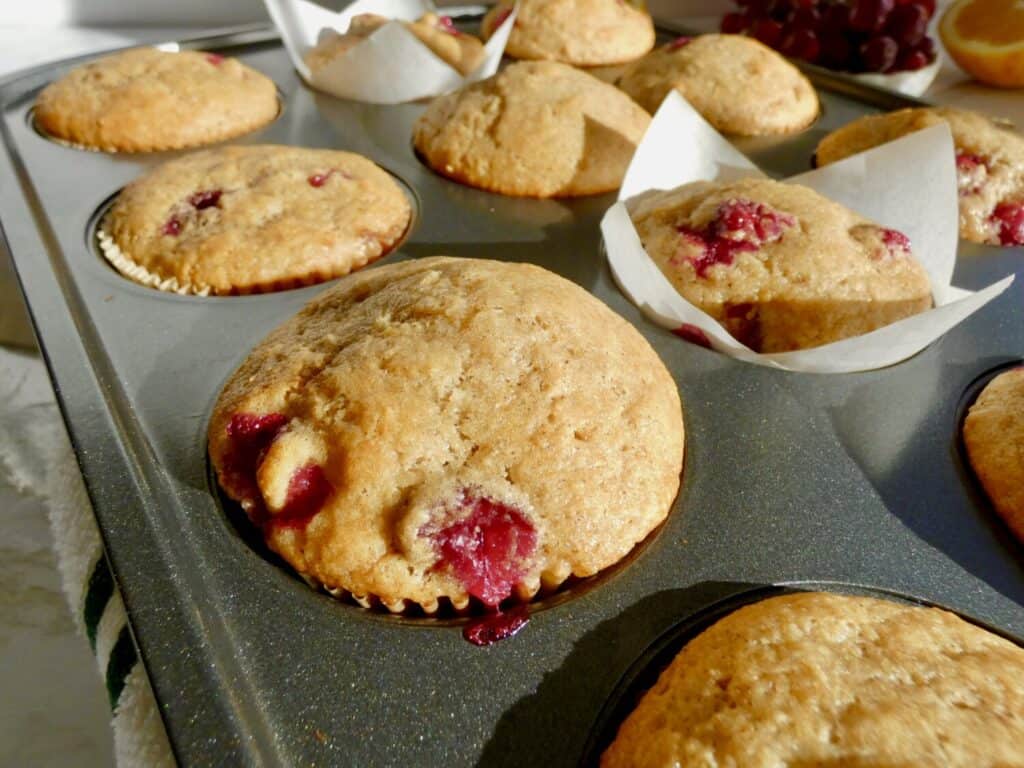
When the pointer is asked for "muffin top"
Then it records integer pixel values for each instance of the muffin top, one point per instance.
(584, 33)
(817, 679)
(253, 218)
(989, 164)
(445, 428)
(737, 84)
(994, 436)
(463, 52)
(144, 100)
(537, 129)
(727, 247)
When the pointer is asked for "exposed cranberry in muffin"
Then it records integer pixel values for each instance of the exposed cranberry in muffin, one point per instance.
(896, 243)
(692, 334)
(739, 225)
(971, 172)
(447, 25)
(215, 59)
(679, 42)
(308, 489)
(207, 198)
(485, 545)
(319, 179)
(498, 626)
(171, 227)
(502, 15)
(742, 321)
(1009, 218)
(249, 436)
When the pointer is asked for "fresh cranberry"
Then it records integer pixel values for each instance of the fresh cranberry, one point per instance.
(172, 227)
(308, 489)
(836, 17)
(836, 50)
(215, 59)
(879, 53)
(497, 626)
(739, 225)
(1010, 219)
(927, 47)
(249, 436)
(927, 5)
(911, 61)
(768, 32)
(869, 15)
(208, 198)
(485, 547)
(679, 42)
(447, 25)
(896, 243)
(692, 334)
(907, 24)
(801, 44)
(734, 23)
(805, 18)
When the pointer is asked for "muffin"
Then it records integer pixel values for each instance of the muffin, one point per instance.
(143, 100)
(994, 436)
(816, 679)
(252, 219)
(535, 129)
(584, 33)
(989, 164)
(778, 265)
(739, 85)
(442, 430)
(463, 52)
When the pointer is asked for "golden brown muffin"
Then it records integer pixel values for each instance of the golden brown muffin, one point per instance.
(737, 84)
(817, 679)
(778, 265)
(252, 219)
(535, 129)
(584, 33)
(442, 429)
(994, 436)
(989, 164)
(463, 52)
(144, 100)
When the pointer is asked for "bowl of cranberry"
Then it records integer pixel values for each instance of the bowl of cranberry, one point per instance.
(881, 42)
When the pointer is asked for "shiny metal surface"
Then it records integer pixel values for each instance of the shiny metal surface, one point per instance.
(789, 477)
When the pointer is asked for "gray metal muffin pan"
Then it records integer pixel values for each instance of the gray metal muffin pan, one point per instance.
(855, 479)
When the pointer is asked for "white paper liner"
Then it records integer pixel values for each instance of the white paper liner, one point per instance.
(390, 66)
(139, 274)
(908, 83)
(908, 184)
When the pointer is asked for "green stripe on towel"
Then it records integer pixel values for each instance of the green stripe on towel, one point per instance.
(97, 595)
(122, 659)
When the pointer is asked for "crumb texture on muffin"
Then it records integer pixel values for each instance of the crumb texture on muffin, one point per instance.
(994, 436)
(584, 33)
(738, 85)
(143, 100)
(989, 164)
(778, 265)
(536, 129)
(443, 429)
(816, 679)
(254, 218)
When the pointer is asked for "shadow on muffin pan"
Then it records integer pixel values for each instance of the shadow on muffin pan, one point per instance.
(92, 241)
(447, 615)
(645, 671)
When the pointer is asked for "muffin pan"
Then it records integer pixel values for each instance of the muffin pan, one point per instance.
(789, 477)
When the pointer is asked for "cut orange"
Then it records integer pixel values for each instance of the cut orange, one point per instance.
(986, 38)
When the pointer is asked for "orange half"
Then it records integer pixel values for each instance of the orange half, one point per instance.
(986, 38)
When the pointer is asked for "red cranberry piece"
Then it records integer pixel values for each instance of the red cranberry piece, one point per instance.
(744, 324)
(447, 25)
(249, 436)
(319, 179)
(805, 18)
(879, 53)
(748, 221)
(927, 5)
(734, 23)
(1010, 219)
(486, 547)
(171, 227)
(836, 50)
(503, 14)
(835, 17)
(679, 42)
(215, 59)
(308, 489)
(206, 199)
(869, 15)
(907, 24)
(692, 334)
(801, 44)
(768, 32)
(498, 626)
(911, 61)
(967, 162)
(896, 243)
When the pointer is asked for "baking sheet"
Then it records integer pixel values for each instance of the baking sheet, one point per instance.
(789, 477)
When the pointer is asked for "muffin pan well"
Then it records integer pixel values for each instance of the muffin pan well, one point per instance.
(788, 478)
